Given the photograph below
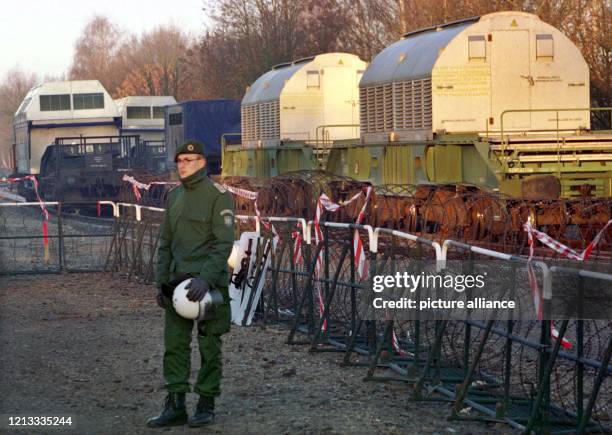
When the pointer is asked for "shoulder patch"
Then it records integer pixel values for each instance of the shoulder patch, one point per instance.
(219, 187)
(228, 216)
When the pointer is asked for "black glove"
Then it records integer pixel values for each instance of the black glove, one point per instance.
(197, 289)
(162, 301)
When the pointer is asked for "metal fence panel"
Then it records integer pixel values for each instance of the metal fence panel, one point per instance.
(22, 244)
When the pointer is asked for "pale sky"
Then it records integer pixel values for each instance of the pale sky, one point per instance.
(39, 35)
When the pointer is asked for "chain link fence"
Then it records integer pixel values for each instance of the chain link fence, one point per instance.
(67, 241)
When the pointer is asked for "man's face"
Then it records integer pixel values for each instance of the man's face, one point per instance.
(189, 164)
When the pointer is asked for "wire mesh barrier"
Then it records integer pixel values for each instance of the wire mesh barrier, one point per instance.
(537, 375)
(23, 245)
(134, 242)
(533, 375)
(49, 237)
(529, 373)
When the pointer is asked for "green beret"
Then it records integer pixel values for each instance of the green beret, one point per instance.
(190, 147)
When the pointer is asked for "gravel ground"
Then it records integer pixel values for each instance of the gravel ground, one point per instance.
(89, 346)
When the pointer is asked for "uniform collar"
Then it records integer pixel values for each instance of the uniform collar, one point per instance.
(194, 179)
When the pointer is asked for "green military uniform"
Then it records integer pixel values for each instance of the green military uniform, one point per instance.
(196, 238)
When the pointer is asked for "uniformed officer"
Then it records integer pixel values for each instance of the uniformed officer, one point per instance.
(195, 241)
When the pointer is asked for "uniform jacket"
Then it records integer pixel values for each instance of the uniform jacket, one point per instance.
(196, 238)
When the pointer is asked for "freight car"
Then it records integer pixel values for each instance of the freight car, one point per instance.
(292, 113)
(78, 142)
(500, 101)
(60, 109)
(88, 169)
(143, 116)
(203, 120)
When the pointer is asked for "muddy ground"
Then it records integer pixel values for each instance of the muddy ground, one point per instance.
(89, 346)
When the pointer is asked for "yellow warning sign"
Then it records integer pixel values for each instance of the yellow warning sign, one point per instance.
(513, 23)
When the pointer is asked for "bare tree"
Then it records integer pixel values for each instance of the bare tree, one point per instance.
(248, 37)
(269, 30)
(155, 64)
(325, 23)
(587, 24)
(13, 89)
(95, 53)
(373, 26)
(216, 69)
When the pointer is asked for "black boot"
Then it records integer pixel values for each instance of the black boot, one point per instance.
(173, 414)
(204, 412)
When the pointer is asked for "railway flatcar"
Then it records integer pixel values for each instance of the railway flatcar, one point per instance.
(500, 101)
(144, 116)
(88, 169)
(294, 112)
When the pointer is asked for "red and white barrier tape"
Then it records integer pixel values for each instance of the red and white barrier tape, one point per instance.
(137, 186)
(297, 245)
(136, 191)
(560, 247)
(565, 251)
(538, 301)
(329, 205)
(241, 192)
(360, 256)
(538, 298)
(325, 202)
(554, 334)
(396, 345)
(247, 194)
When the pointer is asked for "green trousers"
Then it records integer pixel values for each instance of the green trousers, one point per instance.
(177, 357)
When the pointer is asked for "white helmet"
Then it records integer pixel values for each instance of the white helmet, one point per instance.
(194, 310)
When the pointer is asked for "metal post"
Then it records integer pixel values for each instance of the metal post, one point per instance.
(277, 260)
(541, 406)
(326, 271)
(327, 306)
(353, 290)
(580, 352)
(507, 370)
(308, 290)
(463, 389)
(599, 378)
(60, 232)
